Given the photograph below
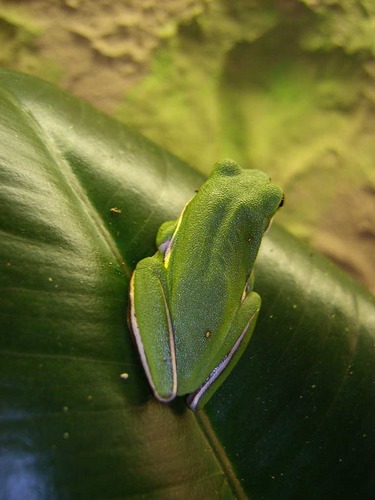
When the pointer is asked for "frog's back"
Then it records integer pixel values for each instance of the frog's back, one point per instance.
(213, 255)
(221, 228)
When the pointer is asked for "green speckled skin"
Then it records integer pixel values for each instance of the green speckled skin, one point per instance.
(192, 304)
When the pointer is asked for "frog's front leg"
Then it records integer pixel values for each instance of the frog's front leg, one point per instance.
(165, 234)
(238, 337)
(152, 327)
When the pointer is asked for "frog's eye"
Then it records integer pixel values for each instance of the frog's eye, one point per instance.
(282, 201)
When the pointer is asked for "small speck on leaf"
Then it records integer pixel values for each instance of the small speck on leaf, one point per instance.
(115, 211)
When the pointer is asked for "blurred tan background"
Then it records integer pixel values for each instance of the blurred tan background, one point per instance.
(285, 86)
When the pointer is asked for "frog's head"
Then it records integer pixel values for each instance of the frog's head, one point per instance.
(251, 188)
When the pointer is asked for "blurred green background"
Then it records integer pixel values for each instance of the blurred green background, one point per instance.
(286, 86)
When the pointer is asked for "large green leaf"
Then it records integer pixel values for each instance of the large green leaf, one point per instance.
(295, 418)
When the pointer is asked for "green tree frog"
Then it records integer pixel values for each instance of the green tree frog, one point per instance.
(192, 308)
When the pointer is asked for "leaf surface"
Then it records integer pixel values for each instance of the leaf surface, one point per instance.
(81, 199)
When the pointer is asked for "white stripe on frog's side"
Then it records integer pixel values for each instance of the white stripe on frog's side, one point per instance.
(169, 246)
(195, 397)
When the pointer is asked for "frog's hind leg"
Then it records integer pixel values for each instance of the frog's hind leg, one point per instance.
(152, 327)
(239, 335)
